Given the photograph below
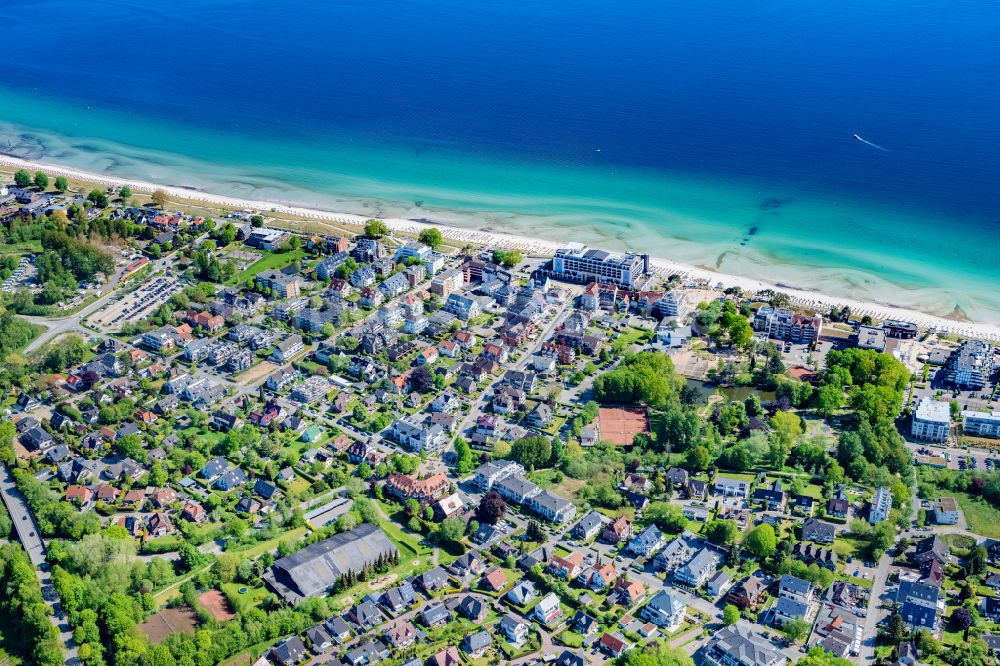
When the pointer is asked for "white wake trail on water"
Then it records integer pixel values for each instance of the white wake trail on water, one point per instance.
(873, 145)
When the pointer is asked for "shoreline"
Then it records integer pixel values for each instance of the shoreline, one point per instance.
(800, 296)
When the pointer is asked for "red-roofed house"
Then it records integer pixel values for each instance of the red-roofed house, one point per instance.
(194, 512)
(134, 499)
(464, 339)
(164, 497)
(82, 496)
(184, 332)
(159, 524)
(106, 493)
(567, 567)
(446, 657)
(613, 645)
(407, 487)
(629, 593)
(494, 579)
(206, 320)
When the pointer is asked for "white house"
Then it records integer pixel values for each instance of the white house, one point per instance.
(731, 487)
(665, 610)
(946, 511)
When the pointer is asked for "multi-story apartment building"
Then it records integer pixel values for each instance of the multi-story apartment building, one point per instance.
(971, 365)
(489, 474)
(447, 283)
(462, 307)
(416, 436)
(786, 324)
(578, 263)
(931, 421)
(903, 330)
(281, 285)
(981, 424)
(881, 505)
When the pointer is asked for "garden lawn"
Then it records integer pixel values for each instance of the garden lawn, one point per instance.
(749, 478)
(243, 602)
(847, 546)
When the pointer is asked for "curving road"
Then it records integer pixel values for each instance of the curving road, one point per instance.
(27, 532)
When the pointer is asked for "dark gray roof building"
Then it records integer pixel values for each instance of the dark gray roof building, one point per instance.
(313, 570)
(739, 645)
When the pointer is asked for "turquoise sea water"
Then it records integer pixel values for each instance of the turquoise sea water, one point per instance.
(718, 134)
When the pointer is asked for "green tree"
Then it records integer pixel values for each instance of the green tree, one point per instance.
(22, 178)
(451, 529)
(190, 557)
(376, 229)
(722, 532)
(655, 655)
(41, 180)
(829, 398)
(698, 458)
(464, 460)
(98, 197)
(159, 197)
(532, 452)
(125, 192)
(796, 630)
(817, 656)
(431, 237)
(507, 258)
(668, 517)
(730, 614)
(787, 426)
(975, 562)
(895, 629)
(226, 565)
(61, 183)
(761, 541)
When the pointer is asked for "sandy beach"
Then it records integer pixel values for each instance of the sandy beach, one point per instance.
(801, 295)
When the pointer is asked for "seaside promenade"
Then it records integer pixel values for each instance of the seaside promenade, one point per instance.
(800, 297)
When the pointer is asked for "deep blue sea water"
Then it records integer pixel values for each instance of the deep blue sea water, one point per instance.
(665, 125)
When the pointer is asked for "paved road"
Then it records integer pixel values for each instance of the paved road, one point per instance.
(478, 407)
(875, 612)
(56, 326)
(28, 533)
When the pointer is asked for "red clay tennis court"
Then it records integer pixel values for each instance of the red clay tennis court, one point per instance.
(620, 425)
(217, 605)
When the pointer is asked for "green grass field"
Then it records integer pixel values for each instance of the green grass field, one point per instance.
(259, 549)
(273, 260)
(982, 518)
(27, 247)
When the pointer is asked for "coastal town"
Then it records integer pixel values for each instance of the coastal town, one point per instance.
(228, 439)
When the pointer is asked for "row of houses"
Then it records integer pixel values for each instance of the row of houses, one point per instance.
(507, 478)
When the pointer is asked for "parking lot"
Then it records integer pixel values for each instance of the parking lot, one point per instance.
(23, 275)
(136, 305)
